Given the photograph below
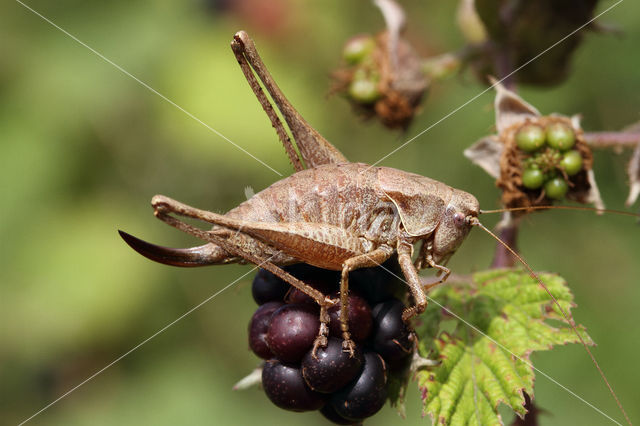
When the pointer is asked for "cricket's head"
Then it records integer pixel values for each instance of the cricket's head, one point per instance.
(462, 210)
(429, 209)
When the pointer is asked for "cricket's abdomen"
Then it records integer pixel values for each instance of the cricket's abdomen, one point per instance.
(345, 195)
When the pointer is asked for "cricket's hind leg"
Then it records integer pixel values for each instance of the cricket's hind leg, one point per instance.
(321, 245)
(164, 206)
(314, 149)
(208, 254)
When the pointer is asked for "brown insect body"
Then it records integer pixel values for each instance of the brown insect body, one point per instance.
(333, 214)
(358, 207)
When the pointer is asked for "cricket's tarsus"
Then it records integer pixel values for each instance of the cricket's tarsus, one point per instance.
(334, 215)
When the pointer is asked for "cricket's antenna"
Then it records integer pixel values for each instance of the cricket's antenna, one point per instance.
(567, 315)
(591, 209)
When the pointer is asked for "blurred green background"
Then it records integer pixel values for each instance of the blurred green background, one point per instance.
(84, 147)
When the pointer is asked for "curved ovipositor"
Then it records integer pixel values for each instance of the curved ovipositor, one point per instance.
(207, 254)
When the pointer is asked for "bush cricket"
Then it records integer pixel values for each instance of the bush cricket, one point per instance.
(330, 213)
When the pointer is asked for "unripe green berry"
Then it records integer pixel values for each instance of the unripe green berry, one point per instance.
(556, 188)
(357, 49)
(560, 136)
(532, 178)
(530, 137)
(364, 90)
(571, 162)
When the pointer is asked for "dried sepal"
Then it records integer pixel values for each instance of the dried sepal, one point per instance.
(395, 20)
(634, 176)
(593, 195)
(511, 109)
(628, 137)
(470, 23)
(250, 380)
(486, 153)
(633, 169)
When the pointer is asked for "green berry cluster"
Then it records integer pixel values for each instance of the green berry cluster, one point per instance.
(358, 52)
(550, 159)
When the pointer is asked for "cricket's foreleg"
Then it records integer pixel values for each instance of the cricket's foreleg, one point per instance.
(445, 274)
(425, 247)
(367, 260)
(413, 280)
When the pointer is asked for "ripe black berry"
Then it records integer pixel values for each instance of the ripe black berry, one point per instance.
(332, 369)
(292, 331)
(392, 339)
(376, 284)
(267, 288)
(326, 282)
(297, 296)
(330, 414)
(286, 388)
(258, 328)
(367, 394)
(360, 319)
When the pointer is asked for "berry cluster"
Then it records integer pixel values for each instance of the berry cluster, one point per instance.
(345, 388)
(382, 77)
(357, 53)
(549, 159)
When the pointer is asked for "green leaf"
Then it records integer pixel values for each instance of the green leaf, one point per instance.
(487, 362)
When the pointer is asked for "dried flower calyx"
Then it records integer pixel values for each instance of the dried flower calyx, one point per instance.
(536, 159)
(544, 160)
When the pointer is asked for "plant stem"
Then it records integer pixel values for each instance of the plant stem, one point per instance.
(509, 234)
(504, 67)
(504, 259)
(612, 139)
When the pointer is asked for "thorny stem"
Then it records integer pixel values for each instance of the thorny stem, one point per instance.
(509, 234)
(503, 259)
(509, 231)
(504, 67)
(612, 139)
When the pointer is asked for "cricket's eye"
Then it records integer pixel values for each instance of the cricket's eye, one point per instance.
(459, 219)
